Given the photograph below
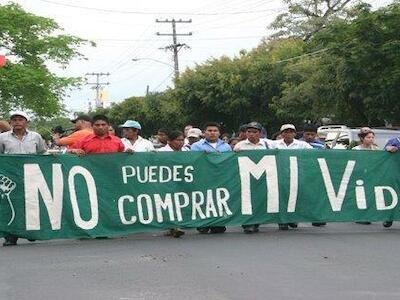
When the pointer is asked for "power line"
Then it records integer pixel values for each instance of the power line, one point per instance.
(175, 47)
(162, 82)
(205, 39)
(155, 12)
(300, 56)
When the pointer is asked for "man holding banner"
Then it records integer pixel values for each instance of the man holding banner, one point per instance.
(211, 143)
(288, 132)
(19, 140)
(253, 142)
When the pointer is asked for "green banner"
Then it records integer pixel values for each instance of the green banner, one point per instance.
(46, 197)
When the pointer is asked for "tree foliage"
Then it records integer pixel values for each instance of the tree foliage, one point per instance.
(357, 79)
(349, 72)
(29, 42)
(305, 18)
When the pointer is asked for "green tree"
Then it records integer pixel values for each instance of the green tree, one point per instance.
(305, 18)
(45, 126)
(239, 90)
(30, 41)
(153, 111)
(357, 80)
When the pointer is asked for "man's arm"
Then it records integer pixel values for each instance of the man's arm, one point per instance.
(121, 147)
(68, 140)
(76, 148)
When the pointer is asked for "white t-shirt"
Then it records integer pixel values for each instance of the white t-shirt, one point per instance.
(214, 145)
(296, 144)
(168, 148)
(247, 145)
(361, 147)
(140, 145)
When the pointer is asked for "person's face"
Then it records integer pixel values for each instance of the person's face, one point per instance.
(130, 133)
(233, 143)
(18, 122)
(187, 128)
(288, 135)
(100, 128)
(193, 139)
(111, 130)
(309, 136)
(369, 139)
(253, 135)
(162, 137)
(177, 143)
(211, 133)
(78, 125)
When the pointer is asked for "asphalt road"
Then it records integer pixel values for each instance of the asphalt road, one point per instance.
(340, 261)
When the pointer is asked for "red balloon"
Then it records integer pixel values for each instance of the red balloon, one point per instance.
(3, 60)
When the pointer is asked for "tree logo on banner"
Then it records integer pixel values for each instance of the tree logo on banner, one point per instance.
(6, 187)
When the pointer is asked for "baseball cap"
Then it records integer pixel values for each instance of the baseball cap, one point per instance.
(194, 132)
(243, 128)
(83, 118)
(254, 125)
(19, 113)
(131, 124)
(287, 126)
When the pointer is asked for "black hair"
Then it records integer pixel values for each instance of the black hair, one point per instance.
(100, 117)
(163, 130)
(233, 139)
(309, 128)
(174, 134)
(211, 124)
(362, 135)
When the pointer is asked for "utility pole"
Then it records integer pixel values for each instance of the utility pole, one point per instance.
(98, 86)
(175, 46)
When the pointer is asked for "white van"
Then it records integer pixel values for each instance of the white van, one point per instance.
(341, 136)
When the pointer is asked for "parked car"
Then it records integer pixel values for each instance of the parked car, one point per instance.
(341, 136)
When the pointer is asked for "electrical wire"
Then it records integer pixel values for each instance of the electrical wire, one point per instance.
(155, 12)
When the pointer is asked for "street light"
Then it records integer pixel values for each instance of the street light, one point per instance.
(152, 59)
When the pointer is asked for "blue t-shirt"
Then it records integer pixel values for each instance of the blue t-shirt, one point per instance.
(204, 145)
(316, 144)
(393, 142)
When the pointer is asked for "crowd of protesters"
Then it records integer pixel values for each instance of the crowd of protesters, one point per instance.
(97, 135)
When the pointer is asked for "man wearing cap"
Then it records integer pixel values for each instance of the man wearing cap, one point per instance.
(19, 140)
(288, 141)
(193, 136)
(132, 141)
(83, 128)
(253, 141)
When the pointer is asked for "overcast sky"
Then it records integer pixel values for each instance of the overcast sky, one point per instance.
(124, 30)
